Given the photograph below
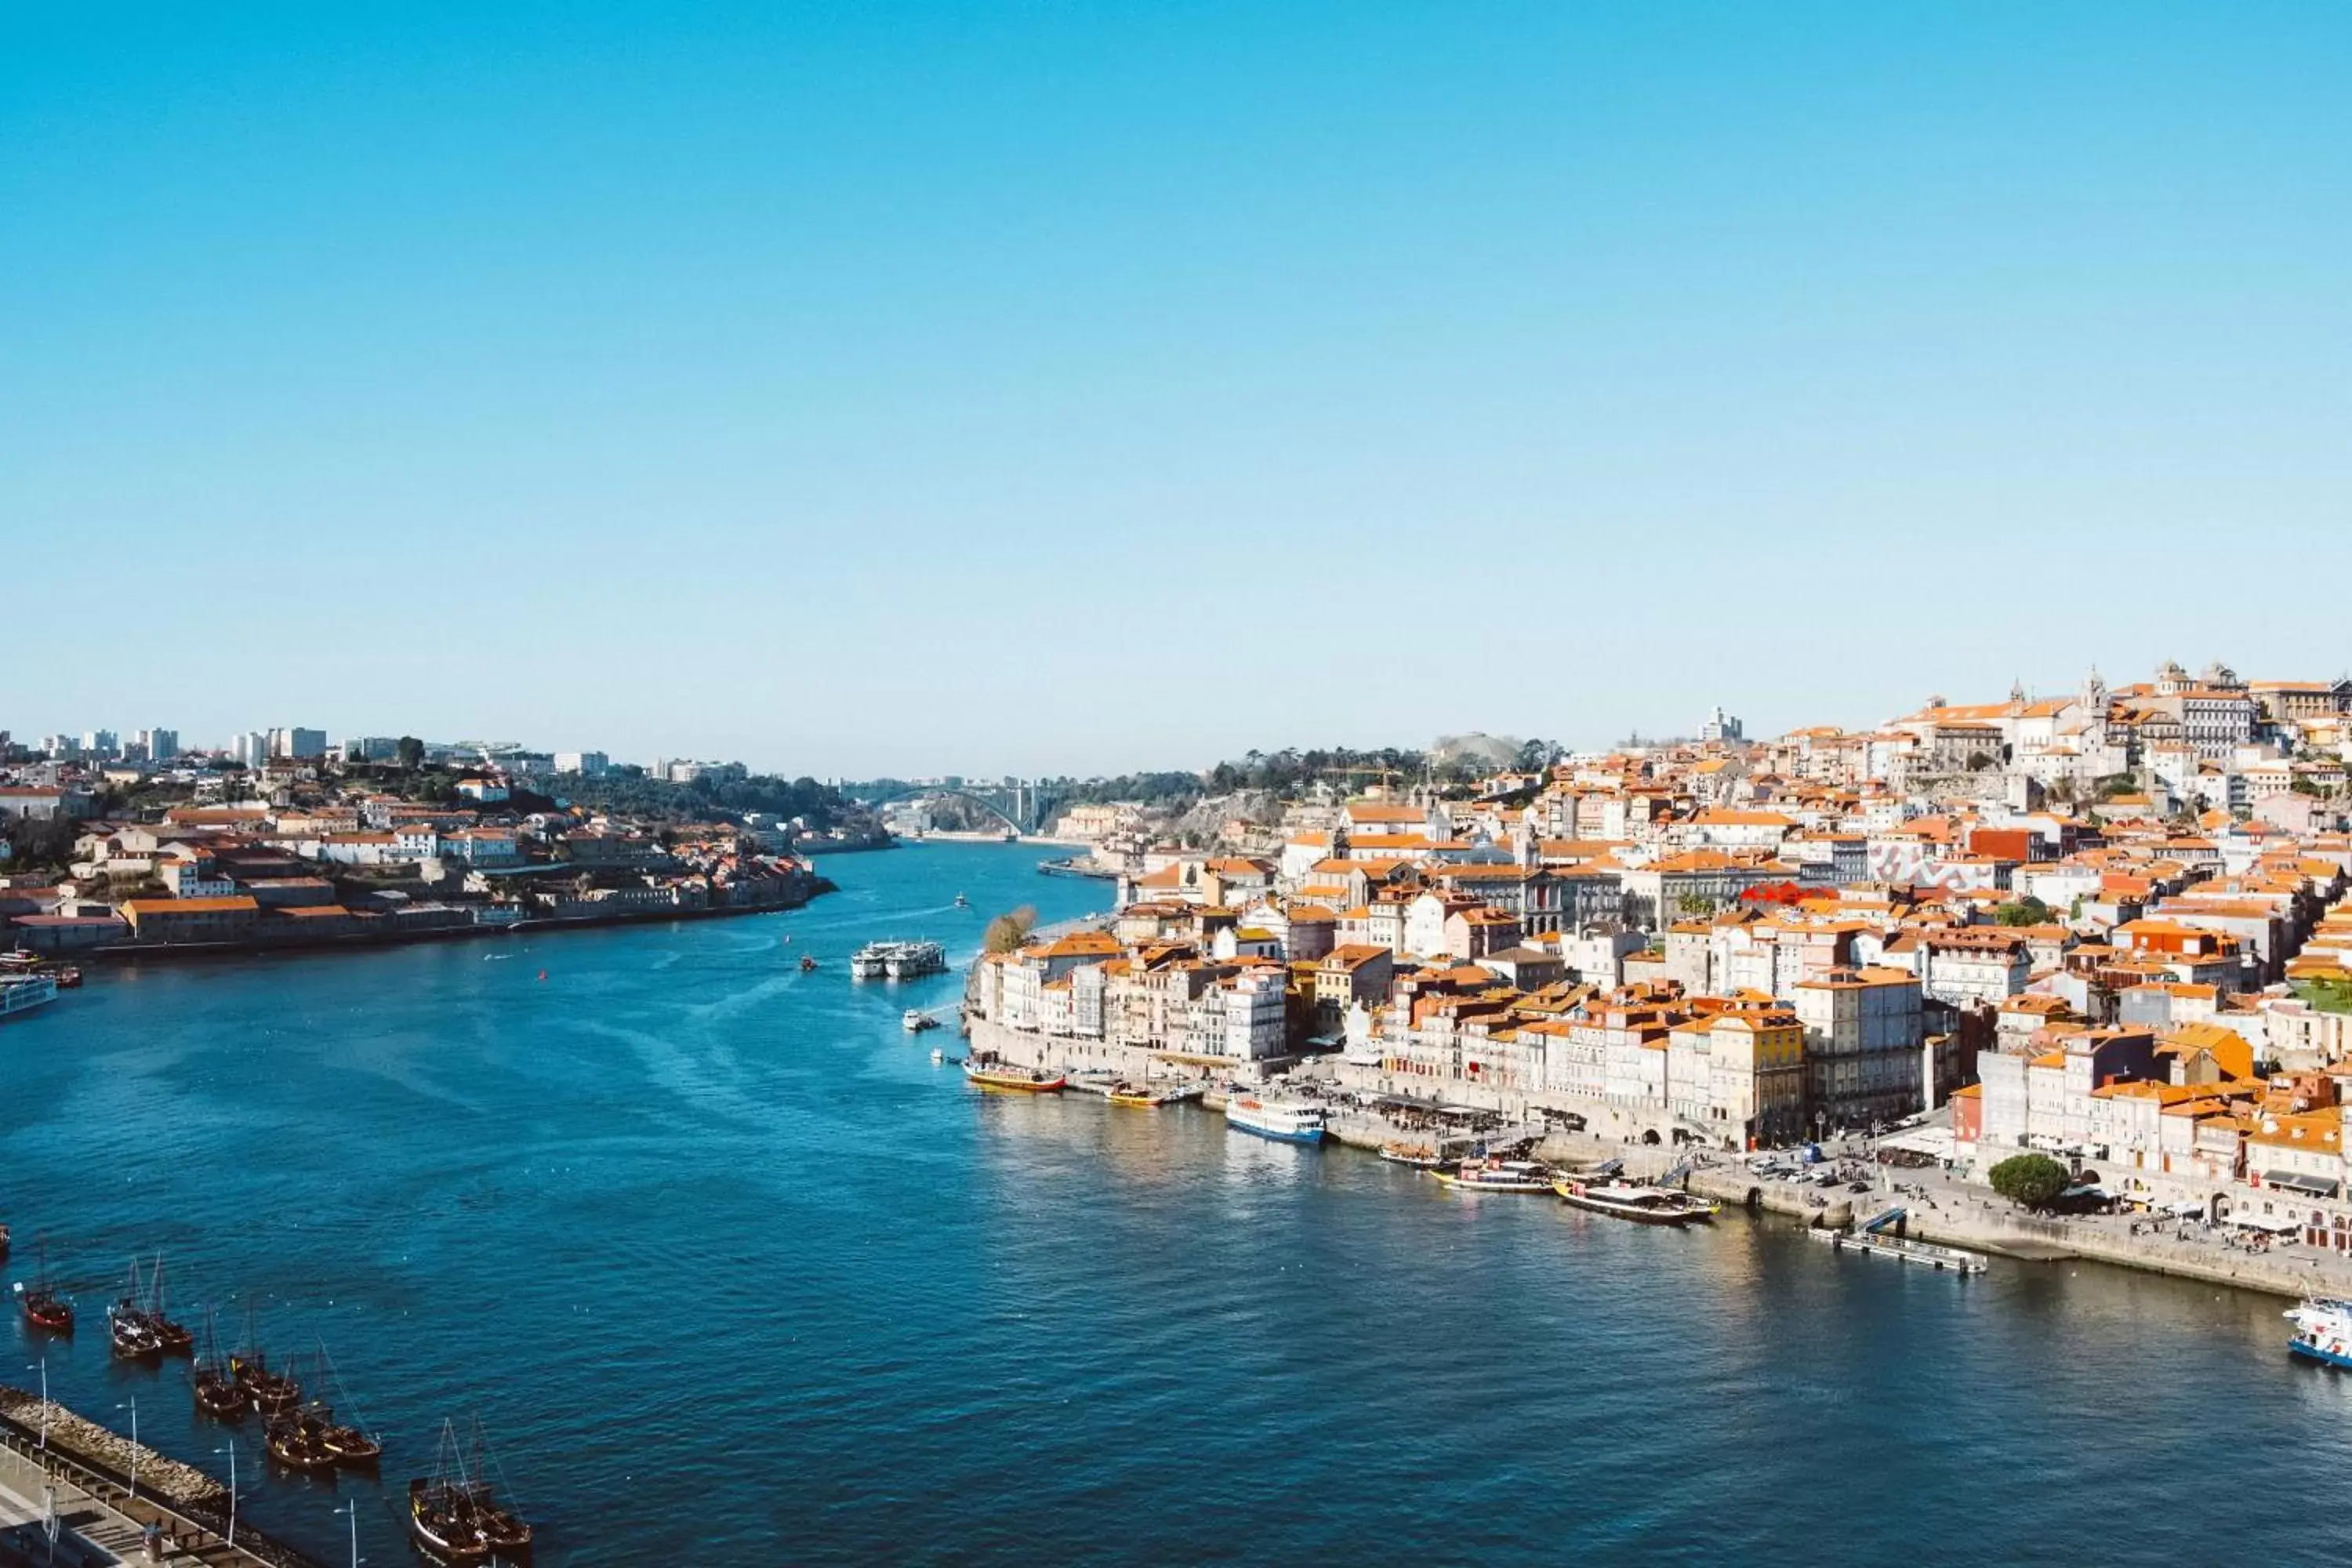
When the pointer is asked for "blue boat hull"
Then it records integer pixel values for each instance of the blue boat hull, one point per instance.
(1313, 1137)
(2314, 1352)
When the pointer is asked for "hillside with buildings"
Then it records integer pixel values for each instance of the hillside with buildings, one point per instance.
(2111, 923)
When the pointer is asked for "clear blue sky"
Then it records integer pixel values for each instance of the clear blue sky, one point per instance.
(1045, 387)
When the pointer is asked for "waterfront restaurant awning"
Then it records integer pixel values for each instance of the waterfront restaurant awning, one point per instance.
(2275, 1223)
(2294, 1181)
(2184, 1208)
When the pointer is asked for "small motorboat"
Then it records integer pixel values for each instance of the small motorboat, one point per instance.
(916, 1021)
(937, 1054)
(808, 962)
(961, 902)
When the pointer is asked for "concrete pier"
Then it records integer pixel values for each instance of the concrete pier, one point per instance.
(101, 1520)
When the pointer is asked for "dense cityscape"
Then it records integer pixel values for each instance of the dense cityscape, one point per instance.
(2109, 926)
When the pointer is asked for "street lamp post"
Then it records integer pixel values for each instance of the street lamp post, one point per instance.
(231, 1452)
(45, 1402)
(351, 1510)
(133, 1408)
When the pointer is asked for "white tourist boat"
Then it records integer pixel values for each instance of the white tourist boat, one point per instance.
(23, 993)
(1285, 1121)
(897, 960)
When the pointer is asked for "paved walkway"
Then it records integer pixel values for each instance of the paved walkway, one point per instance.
(106, 1519)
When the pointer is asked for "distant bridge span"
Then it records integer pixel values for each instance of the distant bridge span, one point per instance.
(1028, 810)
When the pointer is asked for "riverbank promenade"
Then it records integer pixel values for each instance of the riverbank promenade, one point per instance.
(101, 1520)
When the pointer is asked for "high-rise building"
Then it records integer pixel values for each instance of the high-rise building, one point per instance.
(297, 742)
(252, 748)
(587, 764)
(158, 745)
(370, 749)
(101, 743)
(1722, 726)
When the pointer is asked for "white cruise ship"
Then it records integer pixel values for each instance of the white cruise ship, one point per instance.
(22, 994)
(1284, 1121)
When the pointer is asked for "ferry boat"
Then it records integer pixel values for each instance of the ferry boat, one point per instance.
(1282, 1121)
(1477, 1175)
(1641, 1204)
(897, 960)
(993, 1072)
(916, 1021)
(23, 993)
(2323, 1331)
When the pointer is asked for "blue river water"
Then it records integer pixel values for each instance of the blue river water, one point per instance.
(732, 1272)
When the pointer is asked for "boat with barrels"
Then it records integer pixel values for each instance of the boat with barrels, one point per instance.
(1476, 1174)
(988, 1071)
(1641, 1204)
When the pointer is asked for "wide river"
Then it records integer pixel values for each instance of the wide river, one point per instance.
(733, 1273)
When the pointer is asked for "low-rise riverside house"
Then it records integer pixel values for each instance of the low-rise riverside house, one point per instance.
(289, 845)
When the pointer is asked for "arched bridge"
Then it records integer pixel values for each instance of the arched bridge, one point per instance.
(1023, 808)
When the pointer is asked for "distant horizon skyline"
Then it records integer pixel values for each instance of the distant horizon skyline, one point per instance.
(1071, 391)
(203, 740)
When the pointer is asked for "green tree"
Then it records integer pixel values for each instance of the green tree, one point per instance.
(2027, 912)
(1008, 931)
(2033, 1180)
(1695, 904)
(409, 752)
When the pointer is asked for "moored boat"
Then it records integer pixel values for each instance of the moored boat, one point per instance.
(1420, 1156)
(1284, 1121)
(218, 1394)
(1485, 1175)
(988, 1071)
(133, 1340)
(1641, 1204)
(142, 1309)
(21, 993)
(44, 1309)
(2323, 1331)
(268, 1393)
(1143, 1096)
